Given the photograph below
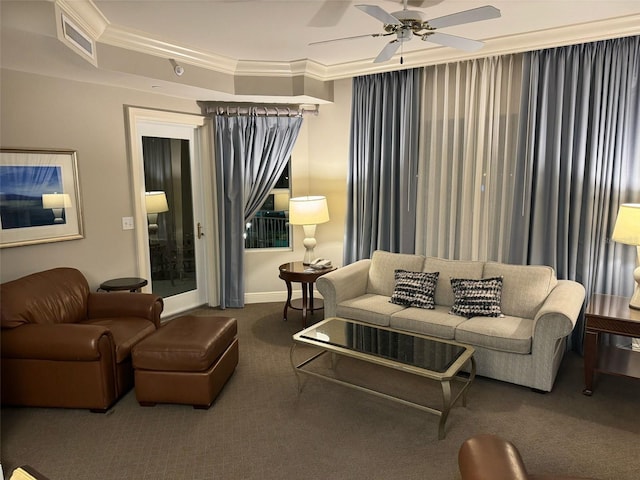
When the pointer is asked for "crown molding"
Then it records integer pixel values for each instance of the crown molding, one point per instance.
(145, 43)
(87, 15)
(524, 42)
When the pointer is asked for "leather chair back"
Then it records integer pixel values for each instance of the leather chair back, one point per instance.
(58, 295)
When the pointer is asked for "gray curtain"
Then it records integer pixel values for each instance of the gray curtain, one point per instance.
(382, 164)
(251, 152)
(579, 141)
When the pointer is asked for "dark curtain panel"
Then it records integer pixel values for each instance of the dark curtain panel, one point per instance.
(382, 164)
(579, 140)
(251, 153)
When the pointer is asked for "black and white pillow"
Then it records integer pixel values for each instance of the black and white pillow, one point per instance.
(477, 298)
(415, 289)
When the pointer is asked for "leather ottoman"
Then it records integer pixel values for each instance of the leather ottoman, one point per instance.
(186, 361)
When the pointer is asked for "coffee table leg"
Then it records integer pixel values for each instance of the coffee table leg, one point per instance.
(446, 406)
(334, 360)
(472, 375)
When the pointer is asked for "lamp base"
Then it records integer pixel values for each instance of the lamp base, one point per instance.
(308, 257)
(309, 243)
(635, 304)
(635, 299)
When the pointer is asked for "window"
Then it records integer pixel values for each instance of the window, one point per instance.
(269, 228)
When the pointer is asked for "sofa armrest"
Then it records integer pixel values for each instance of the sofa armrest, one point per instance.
(342, 284)
(125, 304)
(60, 341)
(559, 313)
(488, 457)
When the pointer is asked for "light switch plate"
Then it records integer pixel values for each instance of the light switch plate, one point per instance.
(127, 223)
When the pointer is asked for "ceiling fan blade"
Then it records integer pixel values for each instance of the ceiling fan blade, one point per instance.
(346, 38)
(377, 12)
(329, 13)
(467, 16)
(460, 43)
(388, 51)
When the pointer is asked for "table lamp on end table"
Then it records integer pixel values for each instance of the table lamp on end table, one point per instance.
(308, 212)
(627, 231)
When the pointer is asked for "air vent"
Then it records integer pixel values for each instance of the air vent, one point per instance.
(79, 41)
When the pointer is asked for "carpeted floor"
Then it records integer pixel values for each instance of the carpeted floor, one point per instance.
(261, 428)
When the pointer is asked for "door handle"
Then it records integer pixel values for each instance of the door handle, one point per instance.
(200, 233)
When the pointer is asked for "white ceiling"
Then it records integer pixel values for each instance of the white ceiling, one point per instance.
(270, 38)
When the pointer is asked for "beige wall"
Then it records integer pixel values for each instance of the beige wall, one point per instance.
(44, 112)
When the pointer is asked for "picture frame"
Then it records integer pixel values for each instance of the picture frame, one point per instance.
(39, 197)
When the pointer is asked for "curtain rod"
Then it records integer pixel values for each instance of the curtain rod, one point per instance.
(261, 110)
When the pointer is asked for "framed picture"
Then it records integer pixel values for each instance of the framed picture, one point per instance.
(39, 197)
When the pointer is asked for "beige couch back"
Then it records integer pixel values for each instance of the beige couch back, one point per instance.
(524, 288)
(382, 271)
(451, 269)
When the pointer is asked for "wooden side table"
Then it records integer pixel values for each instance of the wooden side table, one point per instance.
(131, 284)
(298, 272)
(609, 314)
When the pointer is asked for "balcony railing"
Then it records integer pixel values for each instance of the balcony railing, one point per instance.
(267, 232)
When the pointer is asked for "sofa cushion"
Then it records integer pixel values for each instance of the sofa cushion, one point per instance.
(450, 269)
(477, 297)
(507, 334)
(524, 287)
(414, 289)
(435, 323)
(370, 308)
(382, 270)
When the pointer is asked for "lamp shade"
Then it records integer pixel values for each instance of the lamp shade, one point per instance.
(308, 210)
(280, 201)
(627, 227)
(156, 202)
(56, 200)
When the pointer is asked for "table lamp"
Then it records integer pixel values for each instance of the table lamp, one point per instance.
(627, 231)
(155, 203)
(56, 202)
(308, 212)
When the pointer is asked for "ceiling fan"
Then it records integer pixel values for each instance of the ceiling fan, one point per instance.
(405, 24)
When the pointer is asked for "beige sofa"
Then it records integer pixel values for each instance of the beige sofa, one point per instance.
(524, 346)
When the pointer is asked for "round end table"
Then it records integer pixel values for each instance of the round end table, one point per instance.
(298, 272)
(131, 284)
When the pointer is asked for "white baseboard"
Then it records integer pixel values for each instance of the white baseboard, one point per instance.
(281, 296)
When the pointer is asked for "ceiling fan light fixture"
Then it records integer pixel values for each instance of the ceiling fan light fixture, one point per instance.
(406, 23)
(411, 15)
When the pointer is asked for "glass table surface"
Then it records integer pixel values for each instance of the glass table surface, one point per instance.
(410, 349)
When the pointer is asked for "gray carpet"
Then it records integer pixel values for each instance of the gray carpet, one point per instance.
(261, 428)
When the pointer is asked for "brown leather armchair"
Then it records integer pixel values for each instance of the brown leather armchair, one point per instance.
(489, 457)
(65, 346)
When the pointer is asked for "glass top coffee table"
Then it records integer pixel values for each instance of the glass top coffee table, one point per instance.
(433, 358)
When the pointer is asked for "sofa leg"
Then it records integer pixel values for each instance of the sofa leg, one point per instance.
(147, 404)
(537, 390)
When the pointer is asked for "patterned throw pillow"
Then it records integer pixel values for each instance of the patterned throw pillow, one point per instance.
(415, 289)
(477, 297)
